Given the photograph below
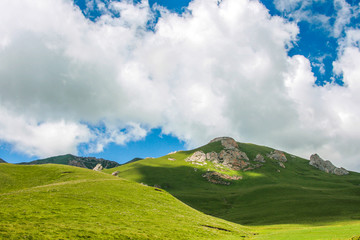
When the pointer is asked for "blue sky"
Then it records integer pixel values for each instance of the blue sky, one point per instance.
(123, 79)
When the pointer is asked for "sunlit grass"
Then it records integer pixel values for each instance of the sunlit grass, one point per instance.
(64, 202)
(297, 201)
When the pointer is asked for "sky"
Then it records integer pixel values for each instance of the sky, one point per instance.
(125, 79)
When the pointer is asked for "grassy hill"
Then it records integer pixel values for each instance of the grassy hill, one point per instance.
(69, 159)
(65, 202)
(298, 200)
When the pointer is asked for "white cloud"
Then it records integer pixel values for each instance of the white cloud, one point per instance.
(343, 16)
(41, 139)
(218, 69)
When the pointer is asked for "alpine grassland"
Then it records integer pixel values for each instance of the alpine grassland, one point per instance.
(295, 202)
(53, 201)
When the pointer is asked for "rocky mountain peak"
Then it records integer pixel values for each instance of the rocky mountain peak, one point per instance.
(227, 142)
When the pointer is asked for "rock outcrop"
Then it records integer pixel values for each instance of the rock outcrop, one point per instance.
(98, 167)
(230, 157)
(197, 158)
(233, 159)
(259, 158)
(278, 155)
(115, 173)
(326, 165)
(219, 178)
(227, 142)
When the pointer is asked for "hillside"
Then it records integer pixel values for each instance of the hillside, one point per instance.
(68, 159)
(256, 193)
(2, 161)
(64, 202)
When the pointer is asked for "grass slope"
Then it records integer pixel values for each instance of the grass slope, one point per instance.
(64, 202)
(300, 199)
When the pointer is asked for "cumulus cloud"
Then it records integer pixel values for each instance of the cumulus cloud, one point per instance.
(217, 69)
(41, 138)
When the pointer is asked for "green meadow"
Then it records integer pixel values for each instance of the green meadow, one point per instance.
(53, 201)
(64, 202)
(298, 201)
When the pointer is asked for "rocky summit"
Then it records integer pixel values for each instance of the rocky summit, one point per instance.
(326, 165)
(227, 142)
(230, 157)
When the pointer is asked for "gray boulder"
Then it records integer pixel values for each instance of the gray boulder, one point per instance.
(278, 155)
(259, 158)
(197, 158)
(98, 167)
(326, 166)
(115, 173)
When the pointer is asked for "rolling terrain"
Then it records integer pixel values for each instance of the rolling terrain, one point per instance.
(64, 202)
(71, 160)
(226, 191)
(297, 200)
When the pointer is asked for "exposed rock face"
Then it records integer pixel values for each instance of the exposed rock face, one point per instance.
(198, 158)
(213, 157)
(115, 173)
(326, 166)
(219, 178)
(98, 167)
(259, 158)
(233, 159)
(171, 159)
(227, 142)
(278, 155)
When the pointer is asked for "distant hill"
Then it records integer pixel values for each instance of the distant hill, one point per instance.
(256, 185)
(2, 161)
(68, 159)
(133, 160)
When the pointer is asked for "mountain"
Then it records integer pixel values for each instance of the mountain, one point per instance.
(133, 160)
(257, 186)
(84, 162)
(53, 201)
(2, 161)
